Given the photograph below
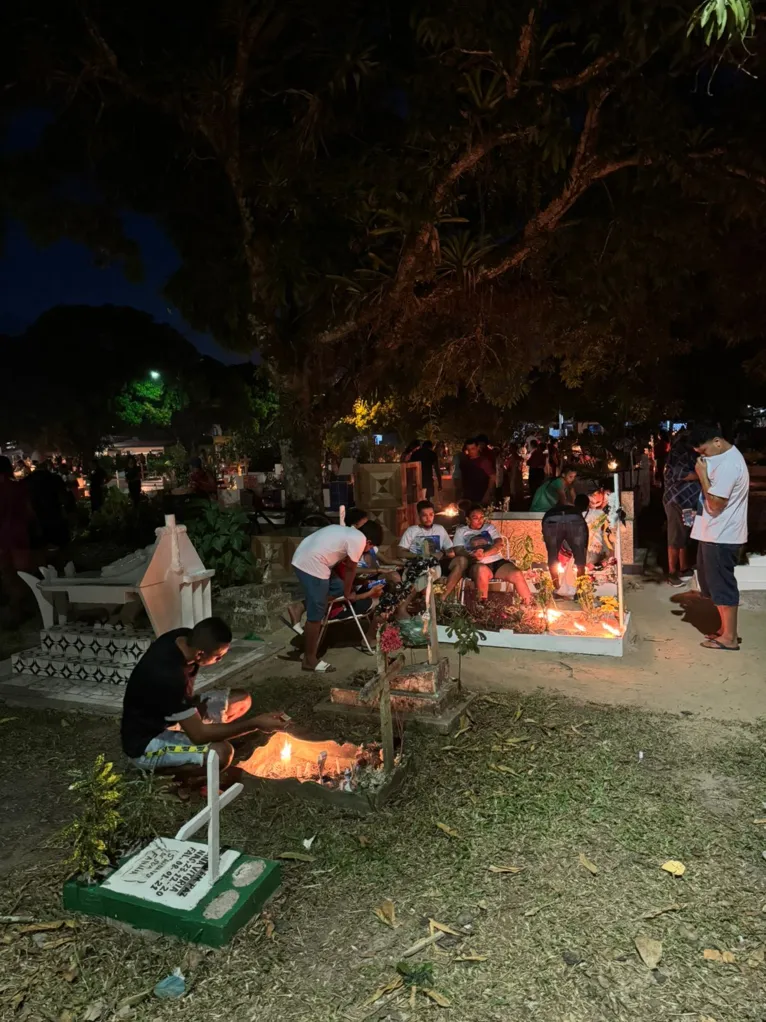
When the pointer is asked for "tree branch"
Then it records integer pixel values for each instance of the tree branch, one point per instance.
(586, 75)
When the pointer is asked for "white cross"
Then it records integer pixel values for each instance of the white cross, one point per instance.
(210, 816)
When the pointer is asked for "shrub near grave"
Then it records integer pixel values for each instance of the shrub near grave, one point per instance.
(222, 538)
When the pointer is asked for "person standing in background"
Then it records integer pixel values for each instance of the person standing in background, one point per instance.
(681, 494)
(536, 464)
(97, 483)
(430, 472)
(477, 473)
(721, 527)
(133, 479)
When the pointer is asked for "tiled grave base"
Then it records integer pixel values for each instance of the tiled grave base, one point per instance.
(118, 644)
(442, 723)
(55, 692)
(228, 906)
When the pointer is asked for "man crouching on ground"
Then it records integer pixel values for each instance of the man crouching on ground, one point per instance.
(165, 728)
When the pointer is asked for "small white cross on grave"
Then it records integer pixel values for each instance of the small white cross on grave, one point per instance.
(210, 816)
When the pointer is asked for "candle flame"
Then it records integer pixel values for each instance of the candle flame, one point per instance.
(610, 628)
(287, 751)
(553, 615)
(579, 627)
(612, 466)
(450, 510)
(560, 568)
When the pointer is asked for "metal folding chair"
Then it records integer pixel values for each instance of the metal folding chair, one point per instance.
(358, 618)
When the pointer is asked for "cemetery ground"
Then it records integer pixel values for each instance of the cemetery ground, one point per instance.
(537, 835)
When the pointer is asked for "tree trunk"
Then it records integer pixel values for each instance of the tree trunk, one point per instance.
(301, 454)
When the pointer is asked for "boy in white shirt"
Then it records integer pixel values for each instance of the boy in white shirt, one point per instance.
(313, 563)
(720, 528)
(425, 539)
(478, 552)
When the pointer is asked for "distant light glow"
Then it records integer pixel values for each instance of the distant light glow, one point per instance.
(154, 374)
(612, 465)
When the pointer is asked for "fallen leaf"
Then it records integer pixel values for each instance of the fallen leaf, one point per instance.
(269, 928)
(532, 911)
(501, 769)
(756, 958)
(516, 741)
(58, 942)
(449, 831)
(761, 819)
(590, 866)
(713, 955)
(483, 905)
(464, 725)
(471, 958)
(650, 951)
(386, 912)
(70, 975)
(674, 906)
(43, 927)
(134, 999)
(517, 714)
(65, 1016)
(297, 857)
(436, 997)
(7, 720)
(308, 842)
(364, 841)
(706, 1018)
(506, 869)
(674, 867)
(433, 926)
(94, 1011)
(389, 988)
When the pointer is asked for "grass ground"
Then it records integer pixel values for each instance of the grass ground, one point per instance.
(551, 943)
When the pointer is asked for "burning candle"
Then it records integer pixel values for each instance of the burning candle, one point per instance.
(560, 568)
(286, 753)
(610, 628)
(612, 465)
(579, 627)
(553, 615)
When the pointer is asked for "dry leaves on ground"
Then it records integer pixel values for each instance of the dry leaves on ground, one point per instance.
(590, 866)
(713, 955)
(674, 906)
(674, 867)
(386, 912)
(433, 927)
(650, 951)
(506, 869)
(296, 857)
(449, 831)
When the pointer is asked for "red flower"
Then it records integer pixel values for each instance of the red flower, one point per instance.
(390, 639)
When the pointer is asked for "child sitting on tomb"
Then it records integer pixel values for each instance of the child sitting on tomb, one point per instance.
(166, 728)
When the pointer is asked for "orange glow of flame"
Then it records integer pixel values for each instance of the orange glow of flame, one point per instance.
(560, 568)
(451, 510)
(610, 628)
(287, 751)
(286, 756)
(579, 627)
(553, 615)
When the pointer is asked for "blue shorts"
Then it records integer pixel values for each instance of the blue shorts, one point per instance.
(317, 593)
(715, 571)
(174, 748)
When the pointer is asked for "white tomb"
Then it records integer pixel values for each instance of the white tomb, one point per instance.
(168, 578)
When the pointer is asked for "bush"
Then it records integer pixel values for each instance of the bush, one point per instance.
(222, 538)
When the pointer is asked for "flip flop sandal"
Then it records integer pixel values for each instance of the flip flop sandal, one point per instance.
(714, 635)
(715, 644)
(296, 627)
(321, 668)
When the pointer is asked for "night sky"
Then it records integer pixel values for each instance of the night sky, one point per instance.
(33, 279)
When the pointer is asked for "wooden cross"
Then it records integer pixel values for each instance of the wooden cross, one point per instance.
(209, 816)
(380, 686)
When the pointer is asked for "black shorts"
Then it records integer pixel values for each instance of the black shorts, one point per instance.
(715, 571)
(495, 566)
(569, 530)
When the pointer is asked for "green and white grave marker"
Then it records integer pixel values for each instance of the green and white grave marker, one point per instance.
(182, 887)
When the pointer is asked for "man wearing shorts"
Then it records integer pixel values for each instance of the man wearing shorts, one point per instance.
(720, 528)
(313, 563)
(478, 553)
(165, 728)
(565, 526)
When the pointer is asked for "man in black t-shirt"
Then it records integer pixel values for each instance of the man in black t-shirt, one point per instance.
(165, 728)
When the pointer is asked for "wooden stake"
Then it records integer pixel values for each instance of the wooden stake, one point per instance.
(386, 726)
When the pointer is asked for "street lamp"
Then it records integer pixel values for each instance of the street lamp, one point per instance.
(153, 374)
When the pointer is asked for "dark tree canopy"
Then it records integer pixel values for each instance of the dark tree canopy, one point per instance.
(439, 198)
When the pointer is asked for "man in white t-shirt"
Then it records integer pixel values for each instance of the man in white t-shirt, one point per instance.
(425, 539)
(720, 528)
(313, 563)
(479, 553)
